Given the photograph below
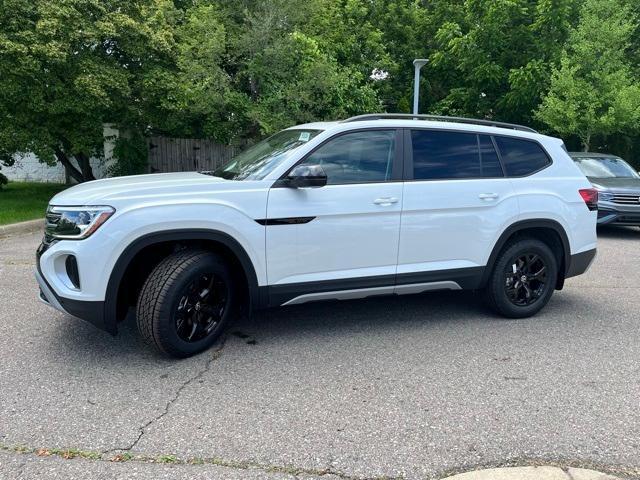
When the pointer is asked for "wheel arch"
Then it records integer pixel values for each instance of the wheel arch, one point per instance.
(112, 306)
(549, 231)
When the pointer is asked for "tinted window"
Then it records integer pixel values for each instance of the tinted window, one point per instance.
(521, 157)
(489, 158)
(356, 157)
(439, 154)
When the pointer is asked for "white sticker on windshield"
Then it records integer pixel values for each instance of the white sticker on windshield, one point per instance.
(304, 136)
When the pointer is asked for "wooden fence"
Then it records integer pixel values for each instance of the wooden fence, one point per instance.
(187, 154)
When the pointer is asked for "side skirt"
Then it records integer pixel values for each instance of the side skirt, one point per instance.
(352, 288)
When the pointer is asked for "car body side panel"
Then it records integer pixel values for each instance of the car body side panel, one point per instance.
(351, 233)
(447, 225)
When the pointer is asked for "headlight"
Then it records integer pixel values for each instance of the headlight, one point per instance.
(605, 196)
(75, 223)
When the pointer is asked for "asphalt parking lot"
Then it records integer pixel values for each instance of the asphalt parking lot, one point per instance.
(410, 387)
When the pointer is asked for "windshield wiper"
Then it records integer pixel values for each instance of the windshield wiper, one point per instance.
(216, 173)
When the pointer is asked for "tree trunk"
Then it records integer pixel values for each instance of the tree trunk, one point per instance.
(85, 167)
(586, 140)
(72, 171)
(83, 174)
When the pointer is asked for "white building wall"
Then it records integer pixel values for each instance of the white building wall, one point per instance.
(27, 168)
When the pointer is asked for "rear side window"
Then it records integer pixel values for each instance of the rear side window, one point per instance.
(521, 157)
(489, 160)
(439, 155)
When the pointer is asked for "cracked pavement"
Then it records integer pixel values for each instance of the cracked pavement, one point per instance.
(410, 387)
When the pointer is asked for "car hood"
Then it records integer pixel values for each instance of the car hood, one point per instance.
(616, 183)
(145, 187)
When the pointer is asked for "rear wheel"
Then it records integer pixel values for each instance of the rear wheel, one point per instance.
(523, 279)
(186, 302)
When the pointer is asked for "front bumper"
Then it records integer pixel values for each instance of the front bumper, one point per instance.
(90, 311)
(610, 213)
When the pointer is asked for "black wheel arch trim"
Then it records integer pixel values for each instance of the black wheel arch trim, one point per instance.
(129, 253)
(525, 225)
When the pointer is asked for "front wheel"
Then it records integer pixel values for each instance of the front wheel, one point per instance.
(186, 302)
(523, 279)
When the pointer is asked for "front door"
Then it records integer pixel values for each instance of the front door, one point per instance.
(342, 237)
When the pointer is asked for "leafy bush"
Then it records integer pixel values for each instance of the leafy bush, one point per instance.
(3, 181)
(131, 154)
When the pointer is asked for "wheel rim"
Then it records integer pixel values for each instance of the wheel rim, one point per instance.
(526, 279)
(201, 307)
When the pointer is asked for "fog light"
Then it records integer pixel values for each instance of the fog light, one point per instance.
(72, 270)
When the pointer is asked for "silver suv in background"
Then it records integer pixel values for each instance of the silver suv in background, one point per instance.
(618, 185)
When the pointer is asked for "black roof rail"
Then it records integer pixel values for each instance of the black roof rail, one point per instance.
(438, 118)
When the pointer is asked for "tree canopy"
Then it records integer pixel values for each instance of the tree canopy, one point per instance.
(237, 70)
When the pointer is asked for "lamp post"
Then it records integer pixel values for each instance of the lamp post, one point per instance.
(418, 63)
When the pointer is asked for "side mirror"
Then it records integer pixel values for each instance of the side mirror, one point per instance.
(304, 176)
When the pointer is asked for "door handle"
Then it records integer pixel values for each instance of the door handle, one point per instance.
(385, 200)
(488, 196)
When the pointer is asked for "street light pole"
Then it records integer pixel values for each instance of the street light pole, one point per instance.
(418, 63)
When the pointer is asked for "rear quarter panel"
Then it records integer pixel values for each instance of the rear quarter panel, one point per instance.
(553, 193)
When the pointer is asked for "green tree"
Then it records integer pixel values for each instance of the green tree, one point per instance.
(279, 64)
(493, 58)
(69, 66)
(593, 91)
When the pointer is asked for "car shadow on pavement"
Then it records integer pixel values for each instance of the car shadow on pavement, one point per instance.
(389, 315)
(76, 338)
(73, 337)
(619, 233)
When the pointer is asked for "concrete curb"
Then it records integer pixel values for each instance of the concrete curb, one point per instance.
(21, 228)
(533, 473)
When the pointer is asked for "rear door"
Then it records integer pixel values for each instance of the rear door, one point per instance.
(343, 236)
(456, 203)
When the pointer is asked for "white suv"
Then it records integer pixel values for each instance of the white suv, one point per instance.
(373, 205)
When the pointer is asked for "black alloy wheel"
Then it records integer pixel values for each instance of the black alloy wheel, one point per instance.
(522, 278)
(525, 279)
(201, 307)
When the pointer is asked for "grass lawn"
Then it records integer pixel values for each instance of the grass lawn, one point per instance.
(25, 201)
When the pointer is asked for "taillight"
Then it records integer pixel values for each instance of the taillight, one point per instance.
(590, 197)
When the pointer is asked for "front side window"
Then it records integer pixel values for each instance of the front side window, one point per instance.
(605, 167)
(521, 157)
(439, 155)
(258, 161)
(357, 157)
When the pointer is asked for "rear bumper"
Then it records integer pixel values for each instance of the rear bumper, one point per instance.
(579, 263)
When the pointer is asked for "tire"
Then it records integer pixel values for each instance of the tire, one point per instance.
(506, 292)
(189, 292)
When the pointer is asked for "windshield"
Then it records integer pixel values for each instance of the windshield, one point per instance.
(605, 167)
(258, 161)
